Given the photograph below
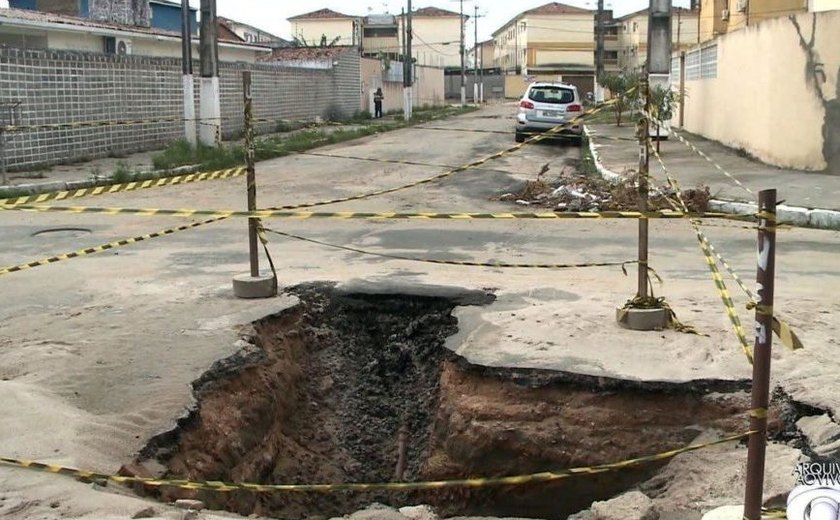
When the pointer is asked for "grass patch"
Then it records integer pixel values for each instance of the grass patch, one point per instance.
(207, 158)
(587, 160)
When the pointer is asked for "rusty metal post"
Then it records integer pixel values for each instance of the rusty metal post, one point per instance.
(762, 355)
(402, 449)
(252, 175)
(644, 170)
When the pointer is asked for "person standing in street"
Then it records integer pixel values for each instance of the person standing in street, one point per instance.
(378, 97)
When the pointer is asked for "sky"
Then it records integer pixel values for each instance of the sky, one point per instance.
(271, 15)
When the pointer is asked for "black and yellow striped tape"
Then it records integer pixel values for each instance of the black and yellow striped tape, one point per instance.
(101, 248)
(782, 329)
(498, 265)
(123, 187)
(518, 480)
(351, 215)
(92, 124)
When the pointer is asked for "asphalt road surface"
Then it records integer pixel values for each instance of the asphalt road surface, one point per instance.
(97, 353)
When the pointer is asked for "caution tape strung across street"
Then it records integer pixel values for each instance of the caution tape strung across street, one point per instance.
(123, 187)
(469, 166)
(351, 215)
(504, 265)
(518, 480)
(101, 248)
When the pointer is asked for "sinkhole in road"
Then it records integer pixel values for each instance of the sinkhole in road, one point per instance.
(336, 388)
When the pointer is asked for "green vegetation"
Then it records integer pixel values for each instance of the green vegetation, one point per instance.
(207, 158)
(624, 89)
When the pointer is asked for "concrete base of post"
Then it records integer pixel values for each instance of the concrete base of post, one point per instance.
(209, 129)
(247, 287)
(642, 319)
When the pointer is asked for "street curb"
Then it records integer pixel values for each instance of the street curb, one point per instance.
(814, 218)
(38, 188)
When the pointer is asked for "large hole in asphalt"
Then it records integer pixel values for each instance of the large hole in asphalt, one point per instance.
(324, 390)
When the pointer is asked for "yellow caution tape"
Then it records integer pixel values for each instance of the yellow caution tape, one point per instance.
(351, 215)
(99, 249)
(518, 480)
(92, 124)
(123, 187)
(500, 265)
(780, 327)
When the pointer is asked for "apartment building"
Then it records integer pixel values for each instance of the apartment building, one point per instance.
(437, 37)
(719, 17)
(633, 35)
(325, 26)
(551, 39)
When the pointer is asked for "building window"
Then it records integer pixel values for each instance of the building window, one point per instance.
(635, 26)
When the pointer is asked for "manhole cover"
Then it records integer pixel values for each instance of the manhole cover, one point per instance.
(63, 232)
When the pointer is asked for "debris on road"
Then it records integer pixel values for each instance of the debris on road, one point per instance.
(573, 191)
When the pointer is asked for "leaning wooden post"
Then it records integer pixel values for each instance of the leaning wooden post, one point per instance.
(762, 354)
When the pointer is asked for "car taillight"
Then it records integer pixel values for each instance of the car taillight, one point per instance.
(526, 104)
(574, 108)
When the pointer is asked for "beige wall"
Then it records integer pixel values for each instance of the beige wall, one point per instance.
(428, 87)
(713, 23)
(546, 40)
(313, 29)
(770, 107)
(436, 40)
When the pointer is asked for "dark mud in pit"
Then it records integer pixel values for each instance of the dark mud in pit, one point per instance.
(322, 393)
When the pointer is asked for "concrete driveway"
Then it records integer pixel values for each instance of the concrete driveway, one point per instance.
(96, 354)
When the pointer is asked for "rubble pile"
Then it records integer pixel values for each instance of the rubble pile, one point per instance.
(572, 192)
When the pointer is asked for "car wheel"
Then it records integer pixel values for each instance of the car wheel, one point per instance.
(519, 138)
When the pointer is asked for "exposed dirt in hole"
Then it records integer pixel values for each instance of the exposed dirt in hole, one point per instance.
(321, 397)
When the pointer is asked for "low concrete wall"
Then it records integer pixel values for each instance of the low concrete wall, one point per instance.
(772, 89)
(428, 86)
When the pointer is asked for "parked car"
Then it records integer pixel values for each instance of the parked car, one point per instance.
(547, 105)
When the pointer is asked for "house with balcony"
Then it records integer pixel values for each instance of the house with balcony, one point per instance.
(718, 17)
(633, 35)
(550, 42)
(612, 48)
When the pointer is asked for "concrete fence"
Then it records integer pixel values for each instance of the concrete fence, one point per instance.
(57, 87)
(770, 89)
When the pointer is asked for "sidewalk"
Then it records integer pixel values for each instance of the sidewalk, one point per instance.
(618, 152)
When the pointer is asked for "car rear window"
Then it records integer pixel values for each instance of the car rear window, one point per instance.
(549, 94)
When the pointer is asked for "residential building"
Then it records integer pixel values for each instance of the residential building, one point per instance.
(30, 29)
(326, 27)
(612, 45)
(436, 38)
(249, 33)
(634, 33)
(162, 14)
(554, 41)
(381, 36)
(723, 16)
(485, 58)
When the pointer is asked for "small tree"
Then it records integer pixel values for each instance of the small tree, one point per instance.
(663, 104)
(623, 88)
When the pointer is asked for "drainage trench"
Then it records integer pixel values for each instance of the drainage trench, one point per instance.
(360, 388)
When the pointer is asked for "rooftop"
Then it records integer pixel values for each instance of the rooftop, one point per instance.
(321, 13)
(306, 53)
(557, 8)
(435, 12)
(25, 17)
(683, 10)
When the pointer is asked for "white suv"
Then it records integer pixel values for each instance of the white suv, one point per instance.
(547, 105)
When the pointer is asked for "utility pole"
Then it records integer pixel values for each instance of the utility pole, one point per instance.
(644, 170)
(599, 53)
(187, 67)
(408, 80)
(463, 59)
(475, 59)
(210, 102)
(757, 443)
